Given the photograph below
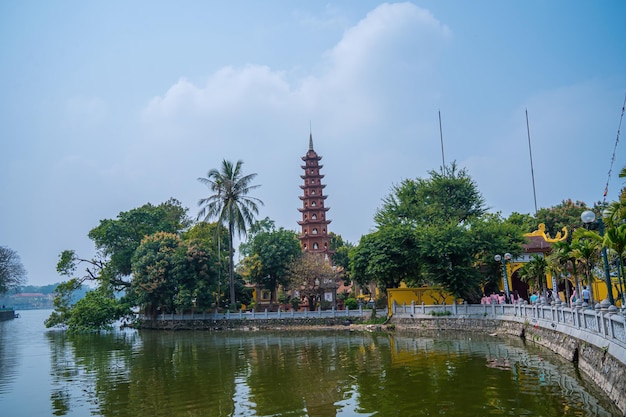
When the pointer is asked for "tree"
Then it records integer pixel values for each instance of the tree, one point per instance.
(116, 240)
(312, 275)
(268, 253)
(447, 196)
(213, 239)
(12, 272)
(451, 238)
(615, 240)
(388, 256)
(560, 261)
(170, 274)
(230, 204)
(566, 214)
(534, 273)
(587, 250)
(341, 257)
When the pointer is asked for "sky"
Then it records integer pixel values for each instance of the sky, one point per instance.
(106, 106)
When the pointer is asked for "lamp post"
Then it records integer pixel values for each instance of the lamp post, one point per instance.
(505, 275)
(588, 217)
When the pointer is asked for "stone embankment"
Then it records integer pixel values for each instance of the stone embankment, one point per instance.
(312, 323)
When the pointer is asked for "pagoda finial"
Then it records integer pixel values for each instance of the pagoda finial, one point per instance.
(310, 137)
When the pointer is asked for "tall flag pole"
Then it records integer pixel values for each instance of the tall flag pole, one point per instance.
(443, 159)
(532, 171)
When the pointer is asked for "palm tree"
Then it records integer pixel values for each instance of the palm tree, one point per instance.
(615, 240)
(587, 250)
(534, 273)
(561, 261)
(231, 205)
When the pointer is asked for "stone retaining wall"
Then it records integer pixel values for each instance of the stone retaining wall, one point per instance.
(243, 324)
(7, 315)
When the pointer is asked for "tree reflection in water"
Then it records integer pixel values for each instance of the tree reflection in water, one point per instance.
(317, 374)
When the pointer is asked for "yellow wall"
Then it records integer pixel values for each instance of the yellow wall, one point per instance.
(426, 295)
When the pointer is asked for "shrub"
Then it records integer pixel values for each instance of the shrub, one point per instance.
(351, 303)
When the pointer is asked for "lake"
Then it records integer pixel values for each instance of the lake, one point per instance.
(322, 374)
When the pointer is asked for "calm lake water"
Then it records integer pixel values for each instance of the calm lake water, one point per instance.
(323, 374)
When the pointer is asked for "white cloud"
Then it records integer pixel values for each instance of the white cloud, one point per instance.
(363, 85)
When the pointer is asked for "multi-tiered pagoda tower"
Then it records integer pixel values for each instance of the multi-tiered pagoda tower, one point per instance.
(314, 237)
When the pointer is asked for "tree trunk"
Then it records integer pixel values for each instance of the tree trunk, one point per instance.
(231, 267)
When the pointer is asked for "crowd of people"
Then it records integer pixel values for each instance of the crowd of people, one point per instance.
(536, 297)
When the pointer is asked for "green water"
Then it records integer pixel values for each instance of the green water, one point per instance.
(132, 373)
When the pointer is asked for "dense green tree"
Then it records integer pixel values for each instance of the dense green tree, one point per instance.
(12, 272)
(117, 239)
(525, 222)
(170, 274)
(388, 256)
(268, 254)
(341, 255)
(436, 231)
(563, 215)
(214, 239)
(449, 195)
(230, 204)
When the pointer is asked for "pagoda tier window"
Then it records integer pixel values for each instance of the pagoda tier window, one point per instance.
(312, 181)
(314, 231)
(315, 246)
(312, 192)
(313, 204)
(313, 216)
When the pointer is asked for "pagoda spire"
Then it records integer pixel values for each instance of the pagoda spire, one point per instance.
(310, 137)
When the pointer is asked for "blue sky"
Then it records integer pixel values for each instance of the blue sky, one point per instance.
(106, 106)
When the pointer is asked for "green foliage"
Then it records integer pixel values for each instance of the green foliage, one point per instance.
(97, 310)
(117, 240)
(269, 252)
(387, 256)
(351, 303)
(563, 215)
(63, 303)
(436, 231)
(447, 196)
(170, 274)
(12, 272)
(441, 313)
(534, 273)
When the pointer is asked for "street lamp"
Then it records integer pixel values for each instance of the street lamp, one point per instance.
(588, 217)
(505, 275)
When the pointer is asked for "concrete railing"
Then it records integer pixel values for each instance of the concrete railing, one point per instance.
(265, 315)
(603, 322)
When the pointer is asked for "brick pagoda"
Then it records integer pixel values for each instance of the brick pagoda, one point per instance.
(314, 237)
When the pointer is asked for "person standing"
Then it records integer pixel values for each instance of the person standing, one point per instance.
(586, 294)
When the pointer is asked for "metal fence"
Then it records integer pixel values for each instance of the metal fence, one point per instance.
(266, 315)
(603, 320)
